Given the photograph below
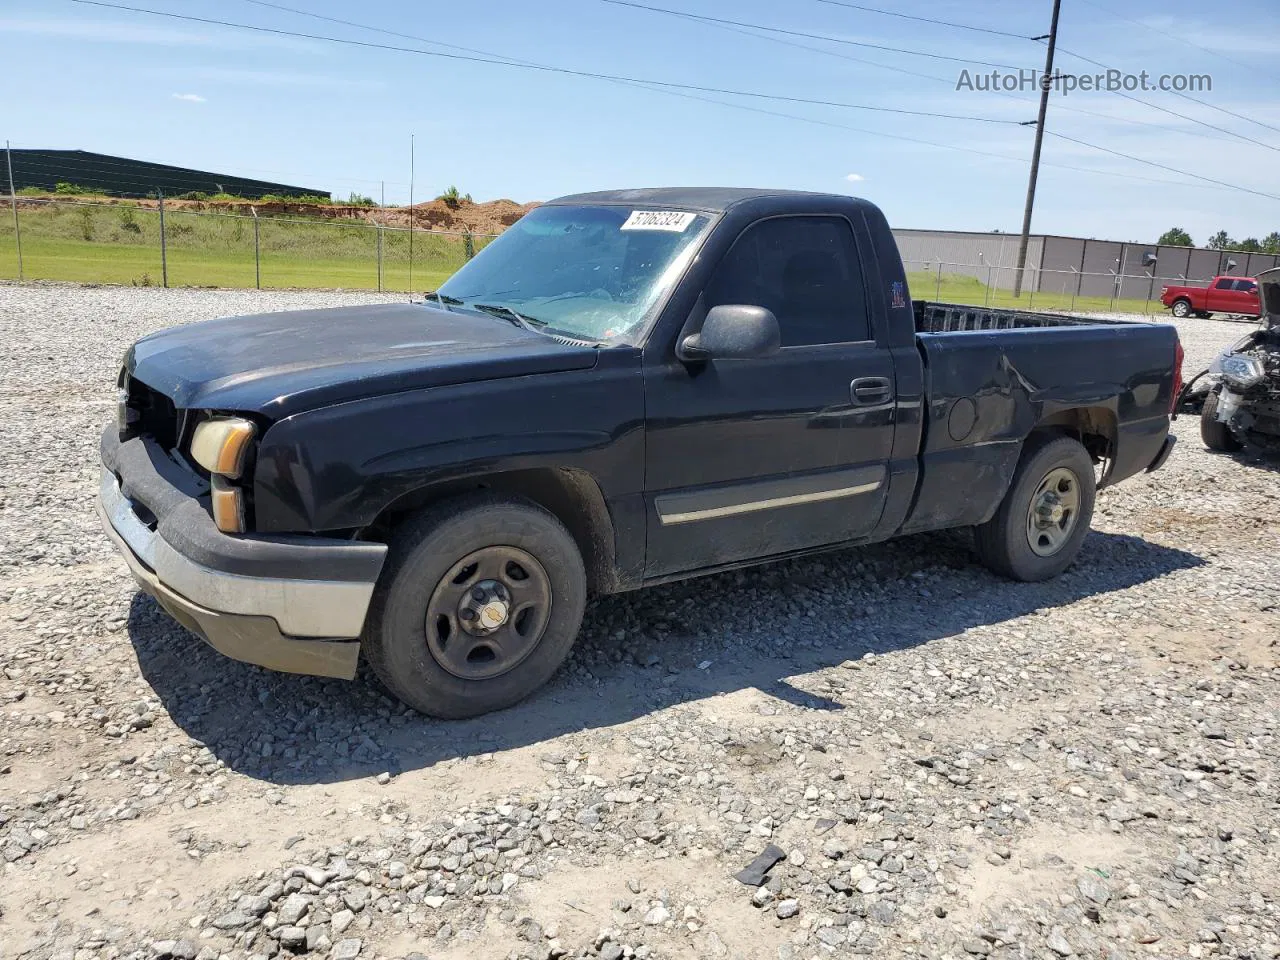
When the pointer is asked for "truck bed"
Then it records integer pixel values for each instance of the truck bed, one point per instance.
(991, 375)
(957, 318)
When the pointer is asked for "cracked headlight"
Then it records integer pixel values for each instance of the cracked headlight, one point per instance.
(1241, 372)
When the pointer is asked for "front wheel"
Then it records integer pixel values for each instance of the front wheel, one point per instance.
(479, 604)
(1044, 518)
(1216, 434)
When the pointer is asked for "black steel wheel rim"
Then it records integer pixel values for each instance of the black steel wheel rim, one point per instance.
(488, 612)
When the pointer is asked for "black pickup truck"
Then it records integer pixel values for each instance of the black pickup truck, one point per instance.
(624, 388)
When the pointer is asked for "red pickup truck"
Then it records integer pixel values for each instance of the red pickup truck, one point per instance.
(1237, 295)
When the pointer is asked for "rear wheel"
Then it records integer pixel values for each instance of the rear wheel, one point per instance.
(1038, 529)
(479, 604)
(1182, 308)
(1216, 434)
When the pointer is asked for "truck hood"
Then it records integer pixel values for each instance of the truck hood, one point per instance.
(1269, 294)
(277, 364)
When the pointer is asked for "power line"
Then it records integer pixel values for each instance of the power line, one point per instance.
(1174, 113)
(907, 16)
(1153, 163)
(1230, 113)
(545, 68)
(808, 36)
(962, 26)
(775, 113)
(1172, 36)
(730, 26)
(665, 88)
(1208, 50)
(389, 33)
(725, 25)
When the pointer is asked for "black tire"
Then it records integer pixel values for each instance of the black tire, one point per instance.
(1216, 434)
(413, 662)
(1181, 308)
(1005, 541)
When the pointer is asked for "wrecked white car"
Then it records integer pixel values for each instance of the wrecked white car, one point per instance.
(1238, 396)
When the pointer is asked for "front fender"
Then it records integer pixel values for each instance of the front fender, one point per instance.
(340, 466)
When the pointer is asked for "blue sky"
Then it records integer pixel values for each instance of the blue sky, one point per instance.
(340, 117)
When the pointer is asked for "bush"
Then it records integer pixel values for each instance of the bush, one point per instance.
(127, 220)
(451, 198)
(70, 189)
(85, 216)
(300, 198)
(359, 200)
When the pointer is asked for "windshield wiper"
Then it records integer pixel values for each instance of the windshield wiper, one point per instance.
(515, 316)
(443, 298)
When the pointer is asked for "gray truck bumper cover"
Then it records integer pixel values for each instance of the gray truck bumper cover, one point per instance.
(294, 624)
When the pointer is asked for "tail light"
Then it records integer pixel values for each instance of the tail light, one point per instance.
(1178, 355)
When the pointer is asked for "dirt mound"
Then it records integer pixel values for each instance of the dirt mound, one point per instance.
(462, 216)
(491, 217)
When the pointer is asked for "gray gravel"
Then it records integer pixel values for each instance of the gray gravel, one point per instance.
(954, 766)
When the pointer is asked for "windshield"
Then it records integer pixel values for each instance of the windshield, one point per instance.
(592, 273)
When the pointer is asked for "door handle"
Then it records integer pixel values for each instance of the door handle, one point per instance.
(870, 391)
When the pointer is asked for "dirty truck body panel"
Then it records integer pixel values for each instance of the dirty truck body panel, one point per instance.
(871, 415)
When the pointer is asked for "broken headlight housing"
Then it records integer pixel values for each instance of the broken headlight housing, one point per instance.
(1241, 372)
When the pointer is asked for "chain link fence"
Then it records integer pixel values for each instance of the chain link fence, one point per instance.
(91, 241)
(1070, 290)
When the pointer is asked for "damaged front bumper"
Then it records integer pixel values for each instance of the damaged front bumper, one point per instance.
(290, 603)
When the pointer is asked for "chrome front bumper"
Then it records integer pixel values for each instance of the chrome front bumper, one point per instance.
(299, 624)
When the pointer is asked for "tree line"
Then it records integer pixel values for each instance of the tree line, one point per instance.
(1177, 237)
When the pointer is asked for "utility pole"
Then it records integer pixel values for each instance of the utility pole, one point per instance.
(164, 253)
(1045, 84)
(411, 166)
(13, 199)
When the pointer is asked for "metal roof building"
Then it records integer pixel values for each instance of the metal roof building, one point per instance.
(124, 177)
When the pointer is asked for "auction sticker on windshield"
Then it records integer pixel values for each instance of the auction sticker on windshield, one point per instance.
(673, 221)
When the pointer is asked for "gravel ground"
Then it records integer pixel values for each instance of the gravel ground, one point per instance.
(932, 762)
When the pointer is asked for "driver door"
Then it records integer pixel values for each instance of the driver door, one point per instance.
(759, 457)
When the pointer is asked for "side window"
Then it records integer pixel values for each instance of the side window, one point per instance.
(806, 270)
(1224, 284)
(1246, 286)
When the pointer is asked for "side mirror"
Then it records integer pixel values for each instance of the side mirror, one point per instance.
(733, 331)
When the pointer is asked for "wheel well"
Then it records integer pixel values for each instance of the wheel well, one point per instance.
(1094, 427)
(572, 496)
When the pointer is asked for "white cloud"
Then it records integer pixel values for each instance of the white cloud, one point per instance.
(854, 177)
(189, 97)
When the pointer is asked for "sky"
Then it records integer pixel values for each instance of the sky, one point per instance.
(340, 117)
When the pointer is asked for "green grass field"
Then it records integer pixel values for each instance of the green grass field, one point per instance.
(121, 244)
(956, 288)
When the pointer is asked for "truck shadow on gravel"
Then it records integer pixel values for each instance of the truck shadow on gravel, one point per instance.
(638, 653)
